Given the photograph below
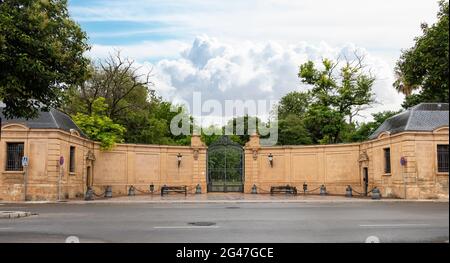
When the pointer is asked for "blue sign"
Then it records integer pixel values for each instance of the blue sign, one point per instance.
(403, 161)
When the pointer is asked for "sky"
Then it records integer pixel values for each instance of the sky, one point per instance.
(251, 49)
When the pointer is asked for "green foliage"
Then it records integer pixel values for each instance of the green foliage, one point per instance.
(211, 134)
(425, 66)
(366, 129)
(325, 113)
(41, 52)
(250, 124)
(130, 102)
(99, 127)
(295, 103)
(292, 131)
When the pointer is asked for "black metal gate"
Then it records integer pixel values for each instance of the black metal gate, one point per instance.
(225, 166)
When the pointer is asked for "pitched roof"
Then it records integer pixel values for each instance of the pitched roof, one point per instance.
(53, 119)
(422, 117)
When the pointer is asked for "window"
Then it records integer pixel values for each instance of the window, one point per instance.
(72, 159)
(14, 154)
(387, 160)
(442, 157)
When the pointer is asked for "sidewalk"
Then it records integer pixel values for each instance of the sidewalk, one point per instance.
(13, 214)
(232, 198)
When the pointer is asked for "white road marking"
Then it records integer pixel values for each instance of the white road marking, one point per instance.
(5, 228)
(394, 225)
(184, 227)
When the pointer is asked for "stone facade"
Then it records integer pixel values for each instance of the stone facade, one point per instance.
(334, 166)
(340, 165)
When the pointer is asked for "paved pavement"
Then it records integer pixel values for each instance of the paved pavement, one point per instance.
(229, 222)
(234, 198)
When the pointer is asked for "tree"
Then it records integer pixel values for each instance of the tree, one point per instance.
(295, 103)
(366, 129)
(130, 101)
(99, 127)
(335, 99)
(117, 80)
(292, 131)
(41, 53)
(425, 66)
(249, 124)
(402, 85)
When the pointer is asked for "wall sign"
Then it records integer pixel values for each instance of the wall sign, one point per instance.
(25, 161)
(403, 161)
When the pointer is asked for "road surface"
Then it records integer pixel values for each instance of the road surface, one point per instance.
(229, 222)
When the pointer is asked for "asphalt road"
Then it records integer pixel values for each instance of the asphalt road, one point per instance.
(241, 222)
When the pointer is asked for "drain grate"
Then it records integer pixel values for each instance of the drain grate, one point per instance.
(201, 223)
(232, 207)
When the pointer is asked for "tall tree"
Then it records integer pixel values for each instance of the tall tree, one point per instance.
(41, 53)
(295, 103)
(116, 79)
(336, 98)
(129, 100)
(425, 66)
(292, 131)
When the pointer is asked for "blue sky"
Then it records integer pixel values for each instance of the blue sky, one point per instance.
(251, 48)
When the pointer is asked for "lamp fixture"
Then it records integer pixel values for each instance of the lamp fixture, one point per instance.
(179, 156)
(270, 157)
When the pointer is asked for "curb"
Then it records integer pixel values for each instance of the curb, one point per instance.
(248, 201)
(239, 201)
(335, 201)
(13, 214)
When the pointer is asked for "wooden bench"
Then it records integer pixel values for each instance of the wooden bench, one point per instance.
(283, 189)
(177, 189)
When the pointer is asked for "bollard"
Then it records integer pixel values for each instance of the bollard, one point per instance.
(152, 188)
(305, 188)
(254, 189)
(89, 194)
(131, 191)
(108, 191)
(348, 191)
(323, 190)
(376, 195)
(198, 189)
(163, 189)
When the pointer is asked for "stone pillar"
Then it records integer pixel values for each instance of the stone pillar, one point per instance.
(199, 165)
(251, 162)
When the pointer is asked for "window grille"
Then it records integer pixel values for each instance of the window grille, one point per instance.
(387, 160)
(442, 157)
(72, 160)
(14, 154)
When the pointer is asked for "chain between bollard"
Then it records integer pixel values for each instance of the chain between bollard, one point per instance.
(148, 191)
(262, 190)
(359, 193)
(315, 189)
(99, 195)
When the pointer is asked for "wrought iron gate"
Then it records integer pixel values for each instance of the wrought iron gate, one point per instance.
(225, 166)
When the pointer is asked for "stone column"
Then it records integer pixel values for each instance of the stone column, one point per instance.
(251, 162)
(199, 153)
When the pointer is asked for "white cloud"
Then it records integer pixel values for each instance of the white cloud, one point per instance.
(381, 26)
(257, 71)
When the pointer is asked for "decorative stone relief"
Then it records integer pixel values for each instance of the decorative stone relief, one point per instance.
(255, 154)
(196, 152)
